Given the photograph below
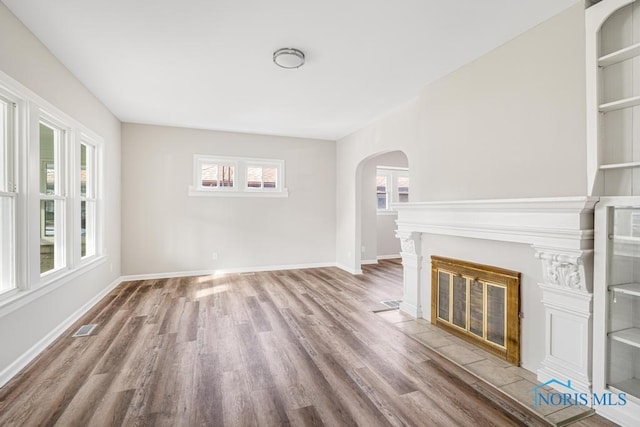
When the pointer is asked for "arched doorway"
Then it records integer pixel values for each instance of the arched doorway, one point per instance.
(381, 180)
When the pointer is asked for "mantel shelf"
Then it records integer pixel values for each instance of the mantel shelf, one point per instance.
(620, 104)
(627, 289)
(619, 55)
(629, 336)
(620, 165)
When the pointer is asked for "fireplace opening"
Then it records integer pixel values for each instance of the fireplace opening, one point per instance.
(479, 303)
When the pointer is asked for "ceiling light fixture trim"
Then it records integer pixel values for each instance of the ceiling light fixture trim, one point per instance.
(288, 57)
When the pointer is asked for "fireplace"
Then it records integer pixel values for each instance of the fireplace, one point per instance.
(478, 303)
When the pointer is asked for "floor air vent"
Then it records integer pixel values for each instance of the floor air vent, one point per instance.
(394, 303)
(85, 330)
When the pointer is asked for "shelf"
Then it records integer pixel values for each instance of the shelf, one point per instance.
(627, 289)
(620, 104)
(620, 165)
(630, 386)
(625, 239)
(629, 336)
(619, 55)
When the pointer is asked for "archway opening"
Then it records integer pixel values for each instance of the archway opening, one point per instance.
(382, 180)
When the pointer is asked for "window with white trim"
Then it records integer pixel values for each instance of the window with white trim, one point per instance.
(235, 176)
(88, 199)
(7, 196)
(50, 200)
(53, 197)
(392, 186)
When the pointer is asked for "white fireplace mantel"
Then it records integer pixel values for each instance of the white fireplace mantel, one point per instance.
(558, 222)
(560, 230)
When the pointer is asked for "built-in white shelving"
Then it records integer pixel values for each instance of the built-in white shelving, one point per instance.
(630, 386)
(620, 165)
(626, 289)
(619, 55)
(613, 170)
(620, 104)
(629, 336)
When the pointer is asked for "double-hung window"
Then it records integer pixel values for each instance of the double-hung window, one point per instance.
(235, 176)
(7, 196)
(53, 197)
(392, 186)
(50, 194)
(88, 199)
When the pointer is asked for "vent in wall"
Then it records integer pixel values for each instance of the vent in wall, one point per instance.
(85, 330)
(395, 303)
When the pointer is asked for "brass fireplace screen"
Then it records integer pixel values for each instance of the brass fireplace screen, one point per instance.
(479, 303)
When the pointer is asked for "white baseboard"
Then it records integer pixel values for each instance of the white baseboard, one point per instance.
(171, 274)
(368, 261)
(13, 369)
(394, 256)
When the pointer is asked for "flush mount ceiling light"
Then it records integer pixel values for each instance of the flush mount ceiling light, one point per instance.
(288, 57)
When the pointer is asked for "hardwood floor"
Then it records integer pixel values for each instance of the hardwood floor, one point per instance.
(300, 347)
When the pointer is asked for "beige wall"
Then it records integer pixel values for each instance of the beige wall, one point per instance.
(26, 60)
(165, 230)
(509, 125)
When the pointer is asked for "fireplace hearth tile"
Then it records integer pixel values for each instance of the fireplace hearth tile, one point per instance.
(433, 339)
(571, 413)
(522, 392)
(493, 374)
(414, 327)
(488, 368)
(460, 354)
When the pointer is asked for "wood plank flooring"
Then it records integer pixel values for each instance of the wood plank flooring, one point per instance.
(299, 347)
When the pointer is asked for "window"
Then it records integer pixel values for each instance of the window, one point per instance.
(53, 200)
(232, 176)
(392, 186)
(217, 175)
(88, 199)
(381, 190)
(50, 222)
(7, 196)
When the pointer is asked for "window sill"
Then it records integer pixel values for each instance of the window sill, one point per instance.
(387, 213)
(236, 193)
(16, 298)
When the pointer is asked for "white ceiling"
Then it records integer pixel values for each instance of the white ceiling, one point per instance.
(208, 63)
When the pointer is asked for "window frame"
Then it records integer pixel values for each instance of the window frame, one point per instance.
(60, 195)
(240, 186)
(8, 145)
(392, 174)
(28, 282)
(92, 193)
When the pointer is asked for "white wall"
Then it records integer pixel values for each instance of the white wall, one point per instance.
(25, 59)
(378, 230)
(509, 125)
(387, 242)
(165, 230)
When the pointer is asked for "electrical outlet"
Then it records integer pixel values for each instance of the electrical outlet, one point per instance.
(349, 254)
(214, 256)
(362, 249)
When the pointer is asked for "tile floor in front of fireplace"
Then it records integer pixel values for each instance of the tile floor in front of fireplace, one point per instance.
(514, 381)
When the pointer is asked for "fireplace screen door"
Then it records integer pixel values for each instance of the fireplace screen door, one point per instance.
(478, 303)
